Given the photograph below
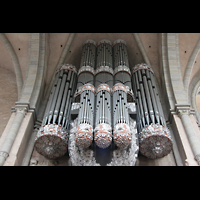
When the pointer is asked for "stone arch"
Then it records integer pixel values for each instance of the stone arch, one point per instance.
(16, 64)
(190, 64)
(192, 92)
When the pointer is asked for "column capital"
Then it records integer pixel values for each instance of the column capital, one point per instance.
(21, 107)
(182, 109)
(182, 112)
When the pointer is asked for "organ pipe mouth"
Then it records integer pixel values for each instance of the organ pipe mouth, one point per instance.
(89, 41)
(119, 41)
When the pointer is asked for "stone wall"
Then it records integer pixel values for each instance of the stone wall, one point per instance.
(8, 96)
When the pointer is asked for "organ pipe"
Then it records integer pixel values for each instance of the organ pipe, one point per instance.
(103, 85)
(51, 139)
(154, 137)
(122, 79)
(86, 91)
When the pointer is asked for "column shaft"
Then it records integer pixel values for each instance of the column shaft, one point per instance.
(10, 138)
(192, 137)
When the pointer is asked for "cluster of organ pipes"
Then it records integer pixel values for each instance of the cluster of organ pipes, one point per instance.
(52, 138)
(154, 137)
(103, 87)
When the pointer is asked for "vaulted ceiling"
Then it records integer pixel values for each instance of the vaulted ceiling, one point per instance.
(56, 42)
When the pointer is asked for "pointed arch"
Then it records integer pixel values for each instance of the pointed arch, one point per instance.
(192, 92)
(15, 61)
(190, 64)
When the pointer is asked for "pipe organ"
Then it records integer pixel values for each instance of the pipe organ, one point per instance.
(103, 88)
(52, 138)
(154, 137)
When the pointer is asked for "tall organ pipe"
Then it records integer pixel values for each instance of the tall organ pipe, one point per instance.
(154, 137)
(51, 139)
(103, 85)
(121, 132)
(86, 90)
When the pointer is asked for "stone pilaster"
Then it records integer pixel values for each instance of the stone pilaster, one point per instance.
(10, 138)
(184, 112)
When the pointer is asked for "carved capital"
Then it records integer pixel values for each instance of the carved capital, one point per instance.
(183, 112)
(182, 109)
(21, 110)
(21, 107)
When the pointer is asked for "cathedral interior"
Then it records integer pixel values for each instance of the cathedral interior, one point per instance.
(99, 99)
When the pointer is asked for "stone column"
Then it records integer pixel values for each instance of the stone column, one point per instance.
(10, 138)
(184, 114)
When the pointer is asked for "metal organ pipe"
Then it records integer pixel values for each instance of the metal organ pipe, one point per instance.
(121, 133)
(103, 85)
(154, 137)
(86, 90)
(51, 139)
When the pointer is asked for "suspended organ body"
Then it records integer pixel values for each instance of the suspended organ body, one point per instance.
(103, 85)
(51, 139)
(154, 137)
(85, 91)
(103, 105)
